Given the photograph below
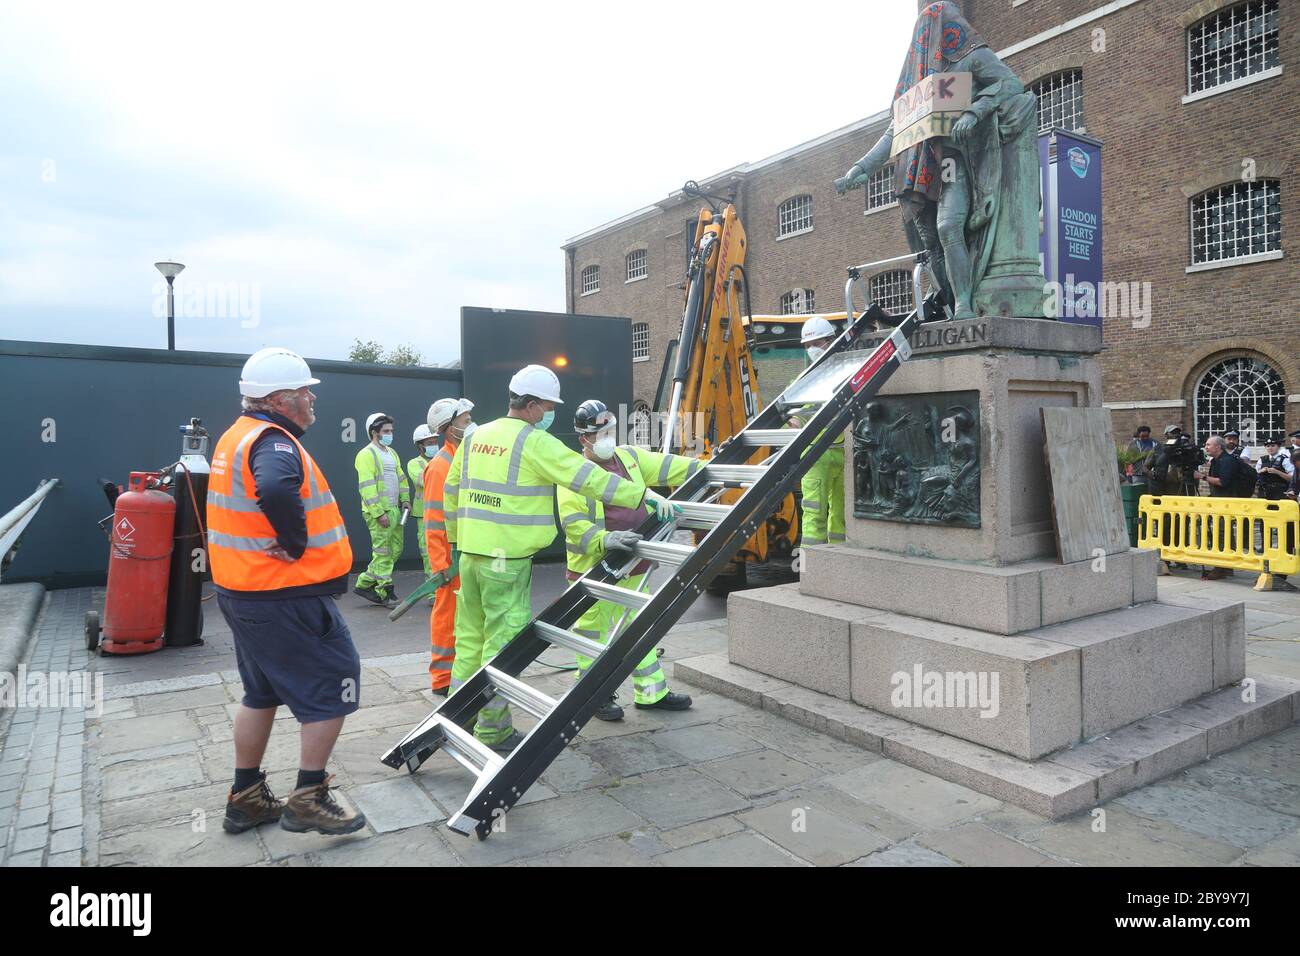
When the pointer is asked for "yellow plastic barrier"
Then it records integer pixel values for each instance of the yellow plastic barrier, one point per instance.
(1251, 534)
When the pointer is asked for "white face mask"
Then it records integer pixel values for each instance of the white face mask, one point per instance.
(603, 447)
(815, 352)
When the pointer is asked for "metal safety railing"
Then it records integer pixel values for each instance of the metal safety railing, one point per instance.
(18, 517)
(1249, 534)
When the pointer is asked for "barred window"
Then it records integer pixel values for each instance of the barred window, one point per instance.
(638, 425)
(590, 280)
(1060, 100)
(798, 302)
(1242, 393)
(880, 188)
(892, 291)
(1236, 220)
(636, 267)
(640, 341)
(1232, 44)
(794, 216)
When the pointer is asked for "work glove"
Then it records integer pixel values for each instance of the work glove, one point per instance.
(663, 508)
(620, 541)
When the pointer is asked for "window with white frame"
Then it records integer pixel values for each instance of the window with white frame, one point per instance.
(1244, 393)
(880, 188)
(638, 425)
(590, 280)
(640, 341)
(636, 267)
(798, 302)
(794, 216)
(892, 291)
(1232, 44)
(1060, 100)
(1237, 220)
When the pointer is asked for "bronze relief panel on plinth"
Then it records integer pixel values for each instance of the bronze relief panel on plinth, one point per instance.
(916, 458)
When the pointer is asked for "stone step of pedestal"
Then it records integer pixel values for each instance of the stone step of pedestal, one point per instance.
(1007, 599)
(1025, 694)
(1061, 784)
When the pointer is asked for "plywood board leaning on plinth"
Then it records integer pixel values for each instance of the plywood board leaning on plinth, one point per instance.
(1086, 510)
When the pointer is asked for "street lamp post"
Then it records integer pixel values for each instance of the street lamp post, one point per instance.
(170, 271)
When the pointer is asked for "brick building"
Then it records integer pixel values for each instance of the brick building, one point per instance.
(1198, 105)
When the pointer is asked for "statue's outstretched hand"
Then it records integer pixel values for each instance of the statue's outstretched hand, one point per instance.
(962, 128)
(845, 183)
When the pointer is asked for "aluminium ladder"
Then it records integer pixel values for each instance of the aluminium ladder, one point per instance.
(841, 381)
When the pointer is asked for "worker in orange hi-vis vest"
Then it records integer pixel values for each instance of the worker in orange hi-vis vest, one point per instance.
(449, 419)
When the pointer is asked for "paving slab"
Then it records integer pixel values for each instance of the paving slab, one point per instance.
(706, 742)
(1282, 851)
(182, 700)
(915, 796)
(140, 777)
(905, 854)
(814, 833)
(1239, 784)
(1129, 840)
(758, 772)
(674, 798)
(531, 830)
(572, 771)
(395, 804)
(973, 844)
(630, 755)
(738, 849)
(818, 749)
(693, 833)
(179, 845)
(141, 733)
(617, 850)
(1214, 815)
(419, 846)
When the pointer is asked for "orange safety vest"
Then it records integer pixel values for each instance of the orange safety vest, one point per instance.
(435, 520)
(239, 534)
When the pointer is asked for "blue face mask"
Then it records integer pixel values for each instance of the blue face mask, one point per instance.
(430, 451)
(545, 423)
(386, 439)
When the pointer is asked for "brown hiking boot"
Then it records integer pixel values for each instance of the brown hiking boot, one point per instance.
(314, 808)
(252, 807)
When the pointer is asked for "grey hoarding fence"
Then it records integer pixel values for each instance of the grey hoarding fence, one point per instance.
(84, 413)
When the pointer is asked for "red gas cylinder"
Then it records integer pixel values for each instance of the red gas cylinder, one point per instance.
(140, 547)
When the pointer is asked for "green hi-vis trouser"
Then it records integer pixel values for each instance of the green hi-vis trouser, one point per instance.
(385, 549)
(648, 681)
(424, 550)
(823, 499)
(492, 606)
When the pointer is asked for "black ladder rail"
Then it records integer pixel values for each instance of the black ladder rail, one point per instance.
(510, 779)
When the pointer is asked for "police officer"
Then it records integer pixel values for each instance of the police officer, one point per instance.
(276, 585)
(1275, 470)
(593, 531)
(498, 500)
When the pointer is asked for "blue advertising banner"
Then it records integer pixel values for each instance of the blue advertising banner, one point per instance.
(1076, 195)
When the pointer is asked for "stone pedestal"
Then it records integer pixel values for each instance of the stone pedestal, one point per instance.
(975, 654)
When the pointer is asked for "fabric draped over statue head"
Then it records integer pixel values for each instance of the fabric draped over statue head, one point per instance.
(941, 37)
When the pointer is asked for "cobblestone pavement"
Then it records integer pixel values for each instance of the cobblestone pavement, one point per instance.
(144, 780)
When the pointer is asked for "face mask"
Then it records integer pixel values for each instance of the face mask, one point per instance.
(604, 447)
(386, 439)
(545, 423)
(430, 451)
(815, 352)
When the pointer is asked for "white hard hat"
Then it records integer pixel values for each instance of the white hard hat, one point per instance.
(816, 328)
(538, 381)
(446, 410)
(273, 370)
(421, 433)
(377, 417)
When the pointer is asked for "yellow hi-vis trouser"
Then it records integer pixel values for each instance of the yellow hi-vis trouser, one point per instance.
(492, 606)
(649, 684)
(385, 548)
(823, 499)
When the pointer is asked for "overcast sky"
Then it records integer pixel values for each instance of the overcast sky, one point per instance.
(328, 172)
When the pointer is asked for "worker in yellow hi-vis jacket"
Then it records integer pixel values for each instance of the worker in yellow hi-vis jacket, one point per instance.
(385, 494)
(593, 530)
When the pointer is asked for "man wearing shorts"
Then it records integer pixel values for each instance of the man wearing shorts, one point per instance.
(280, 555)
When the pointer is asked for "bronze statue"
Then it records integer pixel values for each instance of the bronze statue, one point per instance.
(978, 214)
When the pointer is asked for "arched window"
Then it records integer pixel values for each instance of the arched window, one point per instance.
(590, 280)
(638, 425)
(1060, 100)
(798, 302)
(1237, 220)
(892, 291)
(636, 265)
(1244, 393)
(794, 216)
(1232, 44)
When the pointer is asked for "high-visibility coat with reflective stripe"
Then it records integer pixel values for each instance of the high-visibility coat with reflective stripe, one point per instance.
(583, 519)
(370, 480)
(435, 521)
(239, 534)
(499, 495)
(805, 415)
(415, 469)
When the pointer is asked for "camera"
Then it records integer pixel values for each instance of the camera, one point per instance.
(1182, 452)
